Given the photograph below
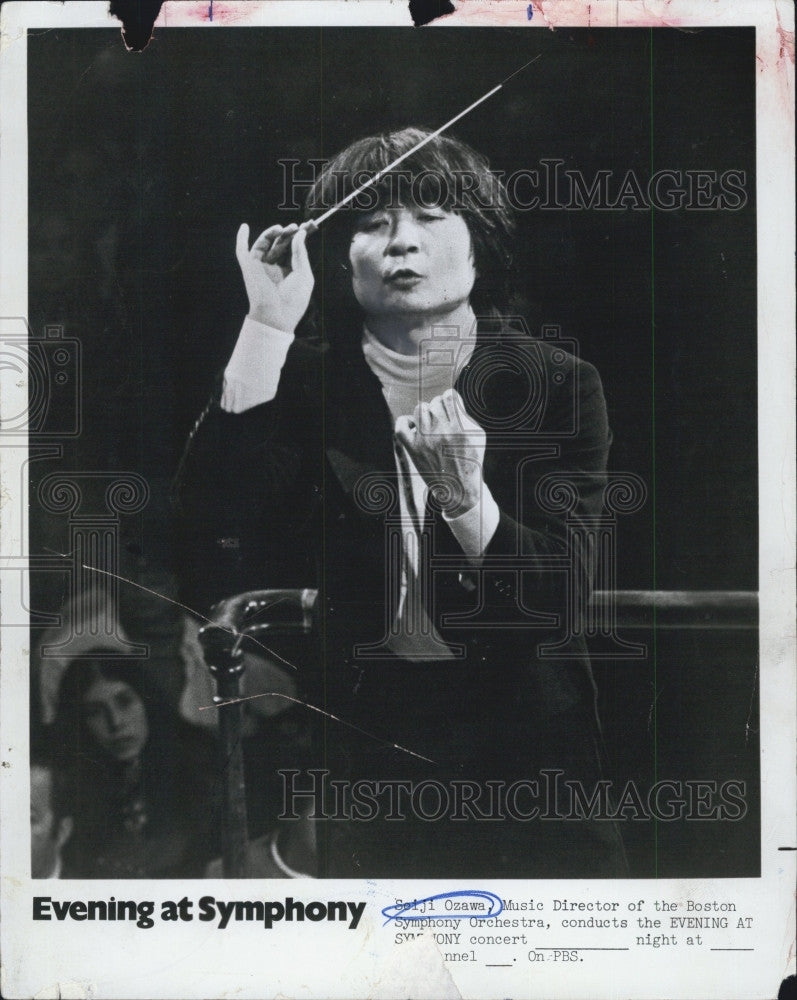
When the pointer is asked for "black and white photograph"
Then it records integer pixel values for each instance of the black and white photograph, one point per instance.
(394, 550)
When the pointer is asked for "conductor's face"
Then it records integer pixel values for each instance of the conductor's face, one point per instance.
(411, 261)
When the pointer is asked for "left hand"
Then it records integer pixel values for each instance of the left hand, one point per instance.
(443, 441)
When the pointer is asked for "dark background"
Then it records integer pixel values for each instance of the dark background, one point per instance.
(142, 166)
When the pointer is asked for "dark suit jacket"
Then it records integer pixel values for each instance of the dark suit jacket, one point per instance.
(301, 491)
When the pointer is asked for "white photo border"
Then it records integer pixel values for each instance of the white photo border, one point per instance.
(121, 960)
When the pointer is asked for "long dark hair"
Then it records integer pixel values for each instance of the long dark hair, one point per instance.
(72, 735)
(105, 792)
(445, 173)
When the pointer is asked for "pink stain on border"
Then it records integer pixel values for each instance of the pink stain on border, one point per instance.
(206, 12)
(554, 14)
(774, 45)
(786, 40)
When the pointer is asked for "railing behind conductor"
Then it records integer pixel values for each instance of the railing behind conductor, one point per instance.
(677, 609)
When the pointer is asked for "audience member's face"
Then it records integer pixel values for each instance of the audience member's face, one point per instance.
(46, 836)
(116, 718)
(411, 260)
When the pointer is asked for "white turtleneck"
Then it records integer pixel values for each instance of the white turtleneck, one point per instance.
(252, 377)
(409, 379)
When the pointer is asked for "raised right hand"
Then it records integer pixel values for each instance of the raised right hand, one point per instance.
(277, 274)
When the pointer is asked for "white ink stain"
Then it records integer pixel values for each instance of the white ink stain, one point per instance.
(320, 711)
(414, 969)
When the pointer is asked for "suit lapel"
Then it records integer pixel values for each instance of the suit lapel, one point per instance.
(359, 429)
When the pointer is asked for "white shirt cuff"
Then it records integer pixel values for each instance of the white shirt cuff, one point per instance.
(253, 372)
(475, 528)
